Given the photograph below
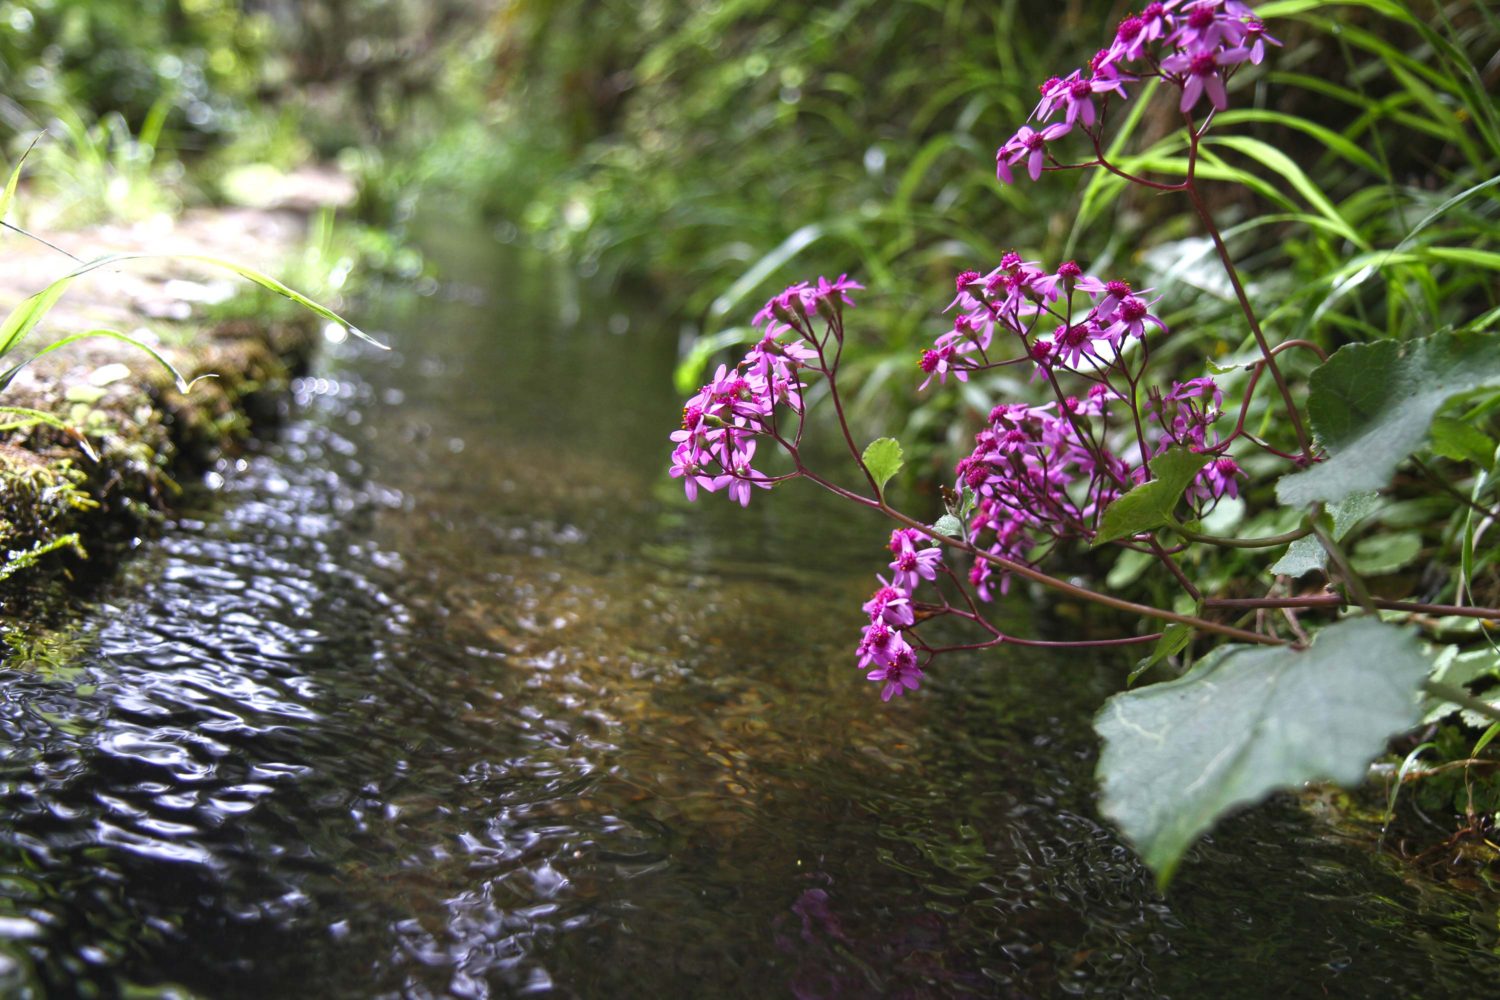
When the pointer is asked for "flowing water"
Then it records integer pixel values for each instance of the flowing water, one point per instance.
(447, 692)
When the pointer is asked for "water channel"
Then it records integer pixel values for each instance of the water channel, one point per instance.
(446, 691)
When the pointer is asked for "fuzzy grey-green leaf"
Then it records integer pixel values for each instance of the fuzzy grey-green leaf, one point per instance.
(1371, 406)
(950, 526)
(1244, 722)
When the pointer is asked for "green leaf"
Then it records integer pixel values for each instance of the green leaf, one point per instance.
(1462, 442)
(1406, 768)
(1174, 639)
(1274, 159)
(15, 178)
(883, 458)
(950, 526)
(688, 374)
(24, 317)
(967, 501)
(1307, 554)
(1484, 741)
(1466, 553)
(1458, 670)
(1371, 405)
(1380, 554)
(1335, 143)
(1245, 722)
(768, 265)
(1442, 209)
(21, 417)
(183, 385)
(1128, 566)
(1301, 557)
(1150, 505)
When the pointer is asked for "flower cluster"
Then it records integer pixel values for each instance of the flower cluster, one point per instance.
(1185, 416)
(794, 307)
(883, 646)
(1038, 473)
(721, 423)
(1038, 307)
(1192, 45)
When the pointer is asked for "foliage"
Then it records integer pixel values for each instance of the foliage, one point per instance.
(101, 172)
(1372, 404)
(1245, 721)
(19, 325)
(1149, 506)
(120, 58)
(712, 149)
(1130, 432)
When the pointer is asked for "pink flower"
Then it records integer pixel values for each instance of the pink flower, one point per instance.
(937, 364)
(1256, 39)
(1130, 319)
(1029, 145)
(685, 466)
(716, 445)
(912, 565)
(1199, 74)
(900, 675)
(890, 606)
(1219, 478)
(1203, 25)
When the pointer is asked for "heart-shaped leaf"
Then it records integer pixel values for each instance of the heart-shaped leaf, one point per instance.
(1372, 404)
(1245, 722)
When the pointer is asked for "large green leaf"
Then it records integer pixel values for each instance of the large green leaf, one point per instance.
(1150, 505)
(1371, 406)
(1245, 722)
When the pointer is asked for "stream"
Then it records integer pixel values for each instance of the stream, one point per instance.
(447, 691)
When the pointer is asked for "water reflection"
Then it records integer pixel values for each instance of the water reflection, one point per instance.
(452, 698)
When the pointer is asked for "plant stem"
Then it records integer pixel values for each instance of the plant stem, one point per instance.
(1267, 542)
(1355, 585)
(1010, 566)
(830, 373)
(1337, 601)
(1447, 488)
(1175, 570)
(1191, 187)
(1081, 593)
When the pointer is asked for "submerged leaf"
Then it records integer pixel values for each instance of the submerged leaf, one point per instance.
(1371, 406)
(1245, 722)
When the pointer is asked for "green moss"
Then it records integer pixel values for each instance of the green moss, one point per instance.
(53, 499)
